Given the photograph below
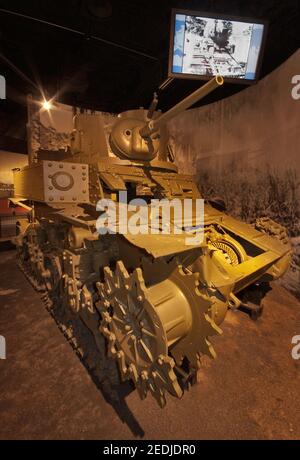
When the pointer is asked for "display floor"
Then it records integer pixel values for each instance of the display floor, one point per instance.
(251, 391)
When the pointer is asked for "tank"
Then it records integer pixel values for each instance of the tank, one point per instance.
(138, 306)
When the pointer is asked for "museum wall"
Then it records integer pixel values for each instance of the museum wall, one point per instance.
(246, 148)
(8, 161)
(51, 130)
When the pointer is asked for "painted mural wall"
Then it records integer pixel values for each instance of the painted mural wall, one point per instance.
(51, 130)
(246, 148)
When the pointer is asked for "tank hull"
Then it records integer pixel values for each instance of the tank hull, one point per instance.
(148, 303)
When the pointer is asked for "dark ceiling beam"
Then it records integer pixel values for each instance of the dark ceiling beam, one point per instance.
(19, 72)
(78, 32)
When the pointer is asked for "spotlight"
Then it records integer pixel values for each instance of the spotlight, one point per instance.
(46, 105)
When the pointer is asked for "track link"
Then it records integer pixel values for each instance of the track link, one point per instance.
(102, 370)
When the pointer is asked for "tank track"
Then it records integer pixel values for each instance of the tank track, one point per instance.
(102, 369)
(41, 264)
(272, 228)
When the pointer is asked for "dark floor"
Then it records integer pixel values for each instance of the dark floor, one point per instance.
(250, 391)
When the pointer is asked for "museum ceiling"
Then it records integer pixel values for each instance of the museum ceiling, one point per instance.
(111, 55)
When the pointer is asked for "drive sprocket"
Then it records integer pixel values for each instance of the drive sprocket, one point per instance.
(135, 334)
(151, 329)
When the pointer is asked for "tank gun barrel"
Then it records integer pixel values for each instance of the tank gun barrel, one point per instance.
(153, 125)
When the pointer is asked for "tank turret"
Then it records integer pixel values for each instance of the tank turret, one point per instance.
(136, 136)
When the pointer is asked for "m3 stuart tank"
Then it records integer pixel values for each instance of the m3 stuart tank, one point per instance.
(137, 306)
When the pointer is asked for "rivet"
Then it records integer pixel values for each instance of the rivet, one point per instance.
(74, 198)
(61, 165)
(50, 164)
(50, 188)
(73, 167)
(50, 198)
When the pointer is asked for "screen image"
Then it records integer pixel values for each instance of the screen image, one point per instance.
(207, 46)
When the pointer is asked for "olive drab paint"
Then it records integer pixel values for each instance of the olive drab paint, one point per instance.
(150, 300)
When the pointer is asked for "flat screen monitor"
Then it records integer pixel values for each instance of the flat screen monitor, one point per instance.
(203, 45)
